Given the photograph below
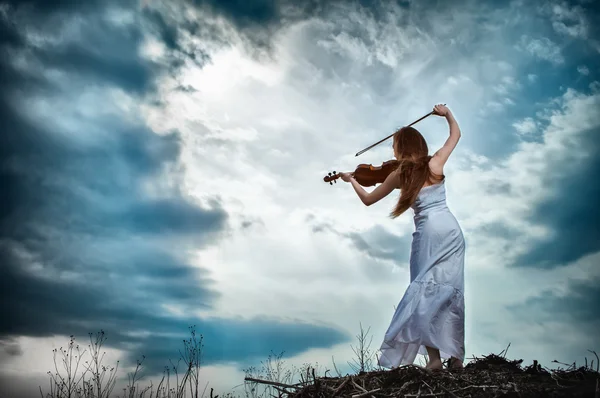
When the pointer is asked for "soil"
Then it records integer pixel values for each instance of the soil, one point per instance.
(490, 376)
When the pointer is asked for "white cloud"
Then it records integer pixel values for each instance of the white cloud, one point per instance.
(568, 20)
(583, 70)
(526, 126)
(507, 85)
(543, 48)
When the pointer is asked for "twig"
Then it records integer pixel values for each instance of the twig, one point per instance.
(453, 395)
(428, 386)
(302, 383)
(340, 387)
(281, 390)
(423, 369)
(555, 378)
(505, 351)
(358, 386)
(597, 360)
(363, 394)
(335, 367)
(472, 386)
(408, 383)
(273, 383)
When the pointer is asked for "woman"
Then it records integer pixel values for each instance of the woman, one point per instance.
(430, 317)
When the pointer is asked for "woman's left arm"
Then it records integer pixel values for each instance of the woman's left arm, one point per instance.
(380, 192)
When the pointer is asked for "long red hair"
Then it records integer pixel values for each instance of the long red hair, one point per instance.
(413, 167)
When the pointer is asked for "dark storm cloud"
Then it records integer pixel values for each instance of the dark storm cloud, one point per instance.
(126, 300)
(229, 340)
(255, 20)
(572, 212)
(497, 229)
(69, 205)
(95, 48)
(167, 29)
(83, 247)
(269, 13)
(578, 306)
(258, 20)
(376, 242)
(10, 347)
(263, 14)
(497, 187)
(245, 13)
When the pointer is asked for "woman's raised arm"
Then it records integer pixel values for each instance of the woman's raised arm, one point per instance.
(441, 156)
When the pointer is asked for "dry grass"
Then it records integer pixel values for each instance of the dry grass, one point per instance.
(490, 376)
(73, 378)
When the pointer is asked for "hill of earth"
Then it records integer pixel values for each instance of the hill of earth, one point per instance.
(489, 376)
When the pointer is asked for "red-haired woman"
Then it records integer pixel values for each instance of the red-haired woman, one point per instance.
(430, 316)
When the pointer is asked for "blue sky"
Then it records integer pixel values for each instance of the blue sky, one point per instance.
(161, 166)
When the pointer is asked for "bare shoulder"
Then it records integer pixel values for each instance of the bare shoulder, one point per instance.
(436, 165)
(396, 177)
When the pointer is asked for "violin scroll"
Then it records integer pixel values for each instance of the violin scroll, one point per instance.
(331, 177)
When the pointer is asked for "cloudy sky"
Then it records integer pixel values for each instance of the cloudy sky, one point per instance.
(161, 166)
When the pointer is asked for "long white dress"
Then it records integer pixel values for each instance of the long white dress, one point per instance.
(432, 310)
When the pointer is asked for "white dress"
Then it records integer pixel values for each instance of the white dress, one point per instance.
(432, 310)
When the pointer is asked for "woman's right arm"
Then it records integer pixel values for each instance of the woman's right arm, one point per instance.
(442, 155)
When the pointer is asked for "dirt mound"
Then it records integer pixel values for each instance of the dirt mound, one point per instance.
(490, 376)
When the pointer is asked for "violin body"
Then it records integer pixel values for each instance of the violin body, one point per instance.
(368, 175)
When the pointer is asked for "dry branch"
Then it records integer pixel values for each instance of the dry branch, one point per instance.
(272, 383)
(366, 393)
(490, 376)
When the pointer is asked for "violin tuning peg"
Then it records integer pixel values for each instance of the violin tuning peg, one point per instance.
(334, 172)
(330, 183)
(329, 173)
(335, 181)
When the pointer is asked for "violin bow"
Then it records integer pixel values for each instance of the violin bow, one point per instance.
(391, 135)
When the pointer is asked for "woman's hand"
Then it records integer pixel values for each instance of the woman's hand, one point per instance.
(346, 176)
(441, 110)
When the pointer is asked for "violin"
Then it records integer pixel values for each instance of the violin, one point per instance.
(367, 175)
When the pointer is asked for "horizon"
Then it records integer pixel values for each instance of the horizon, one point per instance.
(162, 166)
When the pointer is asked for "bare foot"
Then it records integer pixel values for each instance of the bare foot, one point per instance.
(435, 364)
(454, 363)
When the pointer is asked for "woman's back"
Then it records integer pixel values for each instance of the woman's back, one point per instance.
(430, 198)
